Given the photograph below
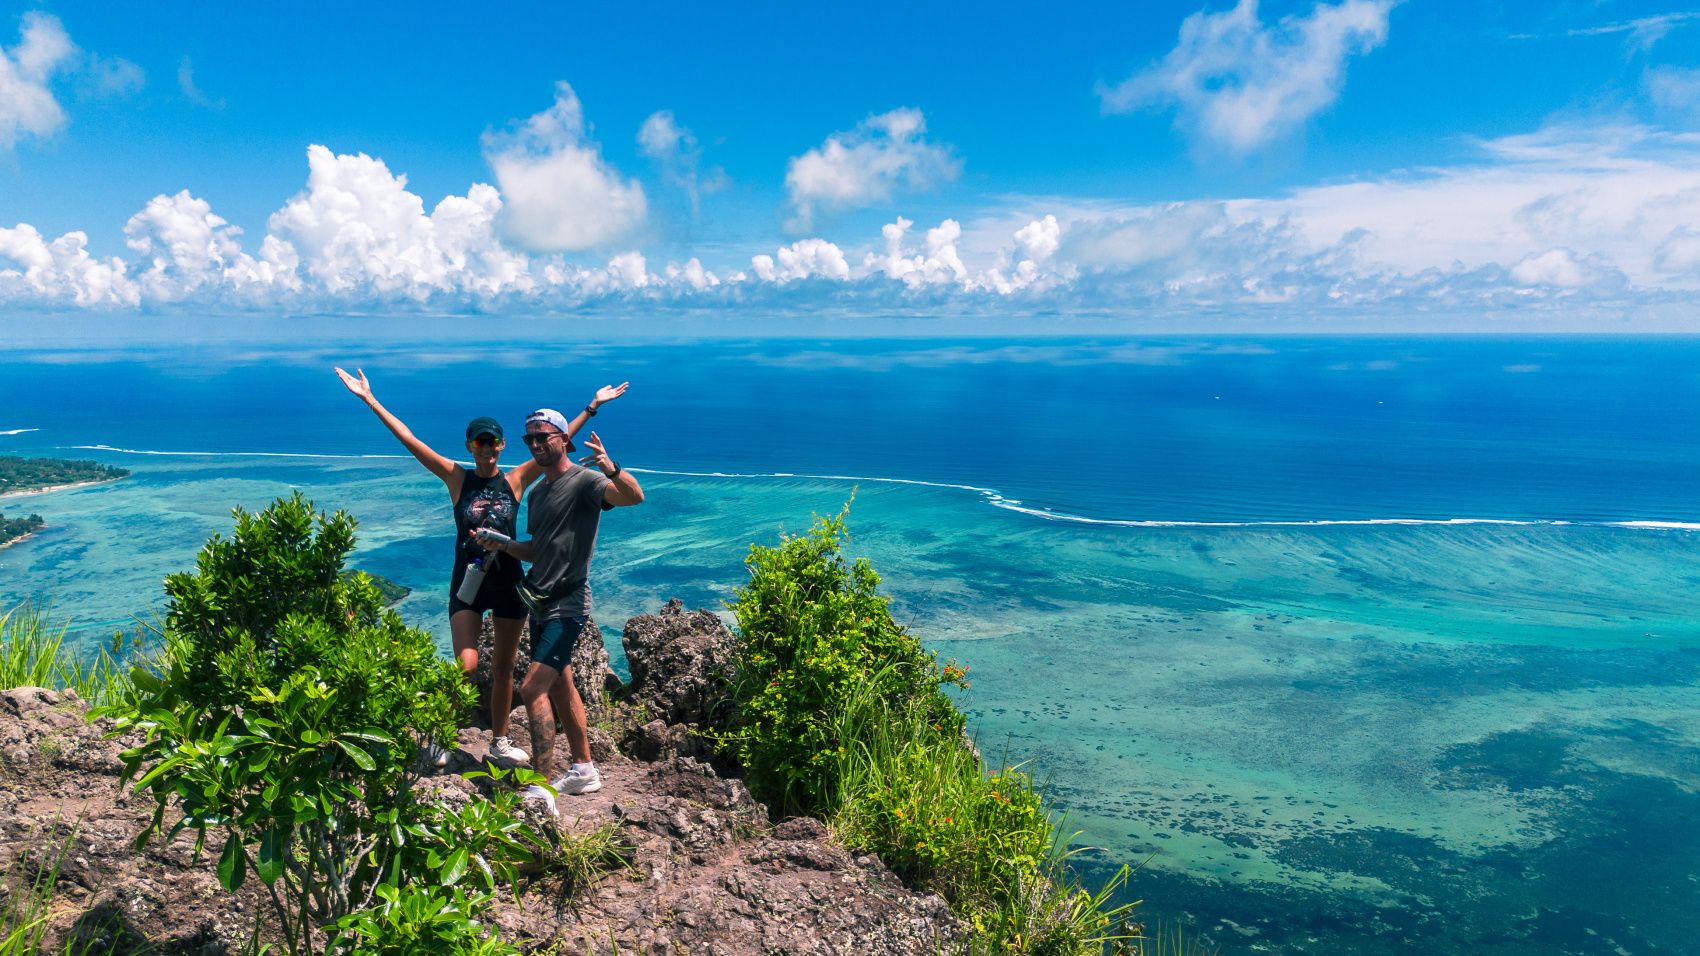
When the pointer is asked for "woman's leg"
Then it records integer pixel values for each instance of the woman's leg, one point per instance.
(463, 631)
(502, 675)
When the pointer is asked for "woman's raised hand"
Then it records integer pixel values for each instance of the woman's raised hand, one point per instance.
(362, 388)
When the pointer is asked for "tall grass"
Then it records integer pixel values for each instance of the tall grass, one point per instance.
(29, 905)
(921, 798)
(33, 654)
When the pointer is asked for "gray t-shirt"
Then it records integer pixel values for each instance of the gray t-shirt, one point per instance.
(562, 517)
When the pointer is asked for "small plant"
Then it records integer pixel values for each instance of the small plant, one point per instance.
(420, 918)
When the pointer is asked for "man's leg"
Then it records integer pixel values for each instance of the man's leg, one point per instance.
(572, 711)
(552, 647)
(535, 693)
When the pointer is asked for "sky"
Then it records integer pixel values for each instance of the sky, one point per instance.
(1366, 164)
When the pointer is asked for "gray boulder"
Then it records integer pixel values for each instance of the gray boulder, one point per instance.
(680, 662)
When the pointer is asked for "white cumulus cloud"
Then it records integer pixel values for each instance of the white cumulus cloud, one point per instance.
(60, 272)
(802, 259)
(559, 194)
(357, 229)
(939, 263)
(865, 165)
(1238, 83)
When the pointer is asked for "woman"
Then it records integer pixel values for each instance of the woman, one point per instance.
(484, 497)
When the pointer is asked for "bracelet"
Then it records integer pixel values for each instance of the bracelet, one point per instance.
(617, 468)
(590, 410)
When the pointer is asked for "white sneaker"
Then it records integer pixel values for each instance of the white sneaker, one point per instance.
(502, 750)
(434, 755)
(536, 794)
(580, 778)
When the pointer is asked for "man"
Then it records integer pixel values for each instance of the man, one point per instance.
(564, 511)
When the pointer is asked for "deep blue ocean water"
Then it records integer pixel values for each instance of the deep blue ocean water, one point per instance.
(1369, 644)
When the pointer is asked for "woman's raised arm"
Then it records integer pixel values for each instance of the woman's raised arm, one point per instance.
(436, 464)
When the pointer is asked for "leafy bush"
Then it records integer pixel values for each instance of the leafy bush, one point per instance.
(285, 717)
(812, 632)
(839, 712)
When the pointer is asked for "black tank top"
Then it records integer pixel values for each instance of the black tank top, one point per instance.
(485, 503)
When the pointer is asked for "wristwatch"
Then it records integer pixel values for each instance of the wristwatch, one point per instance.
(616, 467)
(590, 410)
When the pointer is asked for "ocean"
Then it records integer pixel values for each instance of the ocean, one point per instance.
(1356, 644)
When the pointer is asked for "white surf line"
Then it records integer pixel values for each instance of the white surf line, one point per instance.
(993, 497)
(233, 454)
(19, 431)
(998, 500)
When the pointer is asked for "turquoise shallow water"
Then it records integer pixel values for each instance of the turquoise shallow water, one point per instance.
(1325, 738)
(1373, 736)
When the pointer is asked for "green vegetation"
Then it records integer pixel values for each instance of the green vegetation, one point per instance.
(814, 633)
(25, 474)
(11, 529)
(282, 706)
(389, 592)
(282, 722)
(28, 904)
(840, 713)
(33, 654)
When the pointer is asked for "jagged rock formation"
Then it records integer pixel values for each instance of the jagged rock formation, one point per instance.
(708, 871)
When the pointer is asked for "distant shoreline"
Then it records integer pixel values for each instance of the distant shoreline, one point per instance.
(22, 537)
(48, 489)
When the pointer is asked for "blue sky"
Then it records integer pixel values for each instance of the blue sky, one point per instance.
(1364, 162)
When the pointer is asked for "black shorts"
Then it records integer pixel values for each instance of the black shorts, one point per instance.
(553, 641)
(497, 596)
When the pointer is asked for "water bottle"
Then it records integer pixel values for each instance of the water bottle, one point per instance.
(472, 581)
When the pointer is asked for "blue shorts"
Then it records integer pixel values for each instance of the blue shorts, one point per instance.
(553, 641)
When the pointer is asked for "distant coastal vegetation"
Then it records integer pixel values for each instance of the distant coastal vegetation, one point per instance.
(35, 474)
(11, 529)
(389, 592)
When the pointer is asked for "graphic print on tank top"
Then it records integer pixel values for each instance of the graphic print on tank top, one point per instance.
(484, 503)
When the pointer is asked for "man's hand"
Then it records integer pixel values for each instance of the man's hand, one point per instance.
(608, 393)
(598, 455)
(492, 540)
(359, 386)
(622, 487)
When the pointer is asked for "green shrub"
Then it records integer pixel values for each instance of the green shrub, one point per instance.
(813, 631)
(840, 713)
(284, 719)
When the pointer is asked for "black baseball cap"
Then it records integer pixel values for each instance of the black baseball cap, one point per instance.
(484, 425)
